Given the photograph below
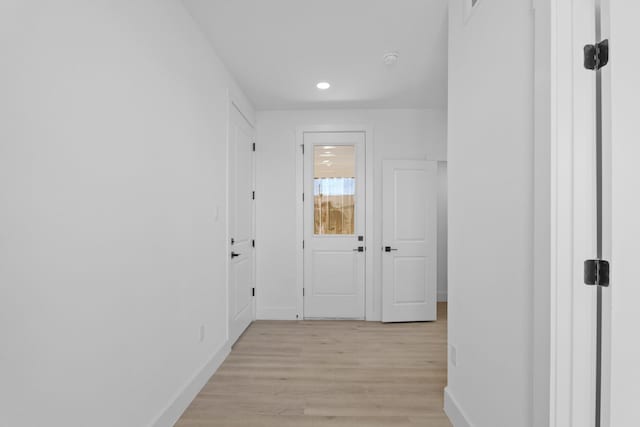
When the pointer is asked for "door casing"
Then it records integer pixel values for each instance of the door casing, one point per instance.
(562, 325)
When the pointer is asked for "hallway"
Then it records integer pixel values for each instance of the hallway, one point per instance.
(182, 182)
(329, 373)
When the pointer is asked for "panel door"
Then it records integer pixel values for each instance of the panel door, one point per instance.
(409, 222)
(334, 259)
(241, 224)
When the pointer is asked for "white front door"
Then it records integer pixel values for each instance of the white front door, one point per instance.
(241, 220)
(334, 258)
(409, 233)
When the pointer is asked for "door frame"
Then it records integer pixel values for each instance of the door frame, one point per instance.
(553, 237)
(370, 297)
(554, 331)
(232, 105)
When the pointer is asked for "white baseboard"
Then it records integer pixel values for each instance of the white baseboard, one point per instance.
(454, 412)
(277, 314)
(442, 296)
(183, 399)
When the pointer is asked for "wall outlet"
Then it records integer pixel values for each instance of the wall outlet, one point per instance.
(453, 355)
(201, 333)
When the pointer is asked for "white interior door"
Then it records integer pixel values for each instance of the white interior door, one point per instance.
(241, 220)
(409, 233)
(621, 367)
(334, 203)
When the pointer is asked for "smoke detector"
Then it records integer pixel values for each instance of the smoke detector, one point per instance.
(390, 58)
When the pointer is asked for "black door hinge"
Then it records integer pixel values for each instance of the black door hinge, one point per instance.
(302, 148)
(254, 146)
(303, 197)
(596, 56)
(253, 243)
(302, 291)
(596, 272)
(253, 195)
(253, 292)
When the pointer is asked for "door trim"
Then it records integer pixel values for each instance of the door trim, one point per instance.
(554, 331)
(372, 309)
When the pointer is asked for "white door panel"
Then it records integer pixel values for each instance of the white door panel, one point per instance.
(333, 221)
(241, 220)
(409, 210)
(409, 264)
(410, 275)
(335, 273)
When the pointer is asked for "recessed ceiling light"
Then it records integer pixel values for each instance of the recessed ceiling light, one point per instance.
(329, 147)
(323, 85)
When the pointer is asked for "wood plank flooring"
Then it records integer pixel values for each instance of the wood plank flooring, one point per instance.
(329, 374)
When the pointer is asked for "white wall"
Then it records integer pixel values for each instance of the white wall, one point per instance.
(112, 169)
(490, 159)
(397, 134)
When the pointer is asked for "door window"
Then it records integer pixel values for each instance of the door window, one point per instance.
(334, 189)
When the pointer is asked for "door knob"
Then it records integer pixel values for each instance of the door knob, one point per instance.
(359, 249)
(233, 255)
(389, 249)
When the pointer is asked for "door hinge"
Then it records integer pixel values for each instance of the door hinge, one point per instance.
(303, 244)
(253, 195)
(302, 291)
(253, 146)
(302, 148)
(253, 292)
(596, 56)
(303, 197)
(596, 272)
(253, 243)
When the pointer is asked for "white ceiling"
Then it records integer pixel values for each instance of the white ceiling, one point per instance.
(279, 49)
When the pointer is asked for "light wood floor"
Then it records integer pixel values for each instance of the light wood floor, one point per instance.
(329, 374)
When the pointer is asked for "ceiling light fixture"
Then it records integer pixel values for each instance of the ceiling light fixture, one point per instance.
(323, 85)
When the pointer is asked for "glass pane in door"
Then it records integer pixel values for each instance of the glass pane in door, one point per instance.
(334, 189)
